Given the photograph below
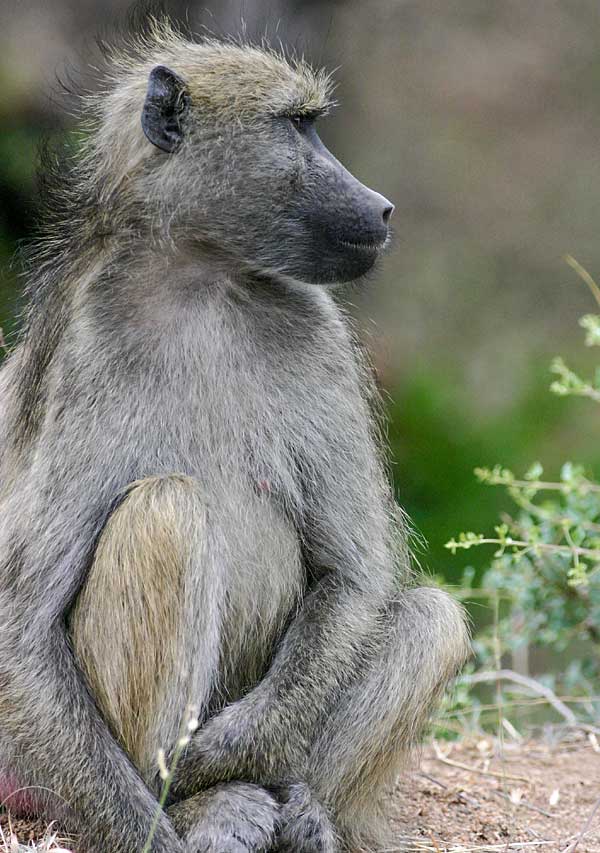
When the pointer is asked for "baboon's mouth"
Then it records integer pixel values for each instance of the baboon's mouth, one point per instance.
(369, 246)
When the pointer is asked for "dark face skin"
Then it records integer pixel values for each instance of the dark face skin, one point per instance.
(270, 193)
(306, 216)
(342, 224)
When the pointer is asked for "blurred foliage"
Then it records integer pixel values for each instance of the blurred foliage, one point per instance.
(437, 440)
(18, 156)
(544, 578)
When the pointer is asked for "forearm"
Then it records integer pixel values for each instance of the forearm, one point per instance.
(265, 737)
(320, 654)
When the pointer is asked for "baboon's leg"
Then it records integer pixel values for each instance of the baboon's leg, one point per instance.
(146, 656)
(128, 625)
(363, 745)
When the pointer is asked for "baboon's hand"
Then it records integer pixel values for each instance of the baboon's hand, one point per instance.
(229, 818)
(237, 744)
(305, 824)
(213, 756)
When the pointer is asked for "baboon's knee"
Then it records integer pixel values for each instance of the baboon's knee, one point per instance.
(435, 626)
(368, 741)
(125, 622)
(427, 643)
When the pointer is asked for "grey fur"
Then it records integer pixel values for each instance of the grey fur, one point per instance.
(190, 467)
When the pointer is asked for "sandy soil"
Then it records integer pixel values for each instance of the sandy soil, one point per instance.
(526, 796)
(521, 796)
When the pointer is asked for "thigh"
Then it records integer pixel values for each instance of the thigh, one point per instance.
(130, 626)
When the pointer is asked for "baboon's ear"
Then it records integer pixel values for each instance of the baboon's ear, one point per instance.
(164, 108)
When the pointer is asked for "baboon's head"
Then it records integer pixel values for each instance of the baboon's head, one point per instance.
(220, 140)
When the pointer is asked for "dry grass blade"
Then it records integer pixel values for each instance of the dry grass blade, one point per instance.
(51, 843)
(439, 755)
(418, 845)
(586, 828)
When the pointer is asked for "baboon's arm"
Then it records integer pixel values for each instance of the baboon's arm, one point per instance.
(264, 737)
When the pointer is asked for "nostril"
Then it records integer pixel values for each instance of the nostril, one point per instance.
(387, 213)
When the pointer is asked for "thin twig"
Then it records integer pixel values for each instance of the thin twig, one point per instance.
(509, 542)
(431, 778)
(498, 775)
(459, 848)
(525, 803)
(524, 681)
(437, 847)
(585, 276)
(522, 703)
(543, 485)
(585, 829)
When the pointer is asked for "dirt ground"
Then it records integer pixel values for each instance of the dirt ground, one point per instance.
(479, 796)
(476, 795)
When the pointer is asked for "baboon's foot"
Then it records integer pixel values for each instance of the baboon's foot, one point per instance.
(305, 825)
(230, 818)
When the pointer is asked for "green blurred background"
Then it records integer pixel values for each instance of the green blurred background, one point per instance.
(481, 121)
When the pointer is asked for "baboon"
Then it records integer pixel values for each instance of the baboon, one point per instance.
(194, 508)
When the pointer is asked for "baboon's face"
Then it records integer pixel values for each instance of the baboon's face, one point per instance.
(259, 184)
(320, 223)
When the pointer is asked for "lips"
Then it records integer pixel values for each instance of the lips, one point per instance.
(364, 245)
